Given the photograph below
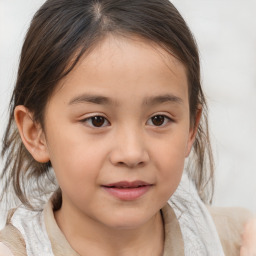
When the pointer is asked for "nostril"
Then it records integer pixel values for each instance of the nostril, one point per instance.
(121, 164)
(131, 164)
(129, 157)
(141, 164)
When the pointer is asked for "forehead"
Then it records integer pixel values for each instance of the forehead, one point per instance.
(123, 51)
(130, 64)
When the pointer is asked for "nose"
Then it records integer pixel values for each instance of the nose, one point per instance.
(129, 149)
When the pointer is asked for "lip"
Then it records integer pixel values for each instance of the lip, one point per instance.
(127, 191)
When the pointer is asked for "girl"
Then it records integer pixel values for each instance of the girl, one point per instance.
(108, 105)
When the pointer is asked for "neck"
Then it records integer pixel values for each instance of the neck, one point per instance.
(88, 237)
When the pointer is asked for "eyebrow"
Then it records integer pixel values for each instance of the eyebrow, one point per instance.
(86, 98)
(102, 100)
(162, 99)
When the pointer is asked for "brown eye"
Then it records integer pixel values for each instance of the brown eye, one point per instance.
(96, 121)
(158, 120)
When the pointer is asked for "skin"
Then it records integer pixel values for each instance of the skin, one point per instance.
(249, 239)
(4, 250)
(127, 82)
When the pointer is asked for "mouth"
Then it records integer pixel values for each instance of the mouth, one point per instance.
(127, 191)
(127, 184)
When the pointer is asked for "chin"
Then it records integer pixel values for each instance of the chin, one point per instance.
(128, 221)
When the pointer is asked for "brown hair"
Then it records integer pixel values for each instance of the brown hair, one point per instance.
(64, 29)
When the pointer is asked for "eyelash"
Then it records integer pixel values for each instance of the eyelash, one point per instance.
(164, 118)
(89, 121)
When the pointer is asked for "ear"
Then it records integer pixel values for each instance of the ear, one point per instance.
(193, 130)
(31, 134)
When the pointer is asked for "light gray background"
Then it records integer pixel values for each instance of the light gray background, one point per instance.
(226, 34)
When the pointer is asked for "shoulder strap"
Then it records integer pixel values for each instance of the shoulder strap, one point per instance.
(60, 245)
(173, 244)
(230, 222)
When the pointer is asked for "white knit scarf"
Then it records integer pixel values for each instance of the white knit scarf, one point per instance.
(198, 230)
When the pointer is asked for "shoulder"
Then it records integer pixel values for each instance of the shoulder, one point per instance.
(230, 222)
(4, 250)
(11, 240)
(249, 238)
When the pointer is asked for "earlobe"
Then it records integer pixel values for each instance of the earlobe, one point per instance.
(31, 134)
(193, 130)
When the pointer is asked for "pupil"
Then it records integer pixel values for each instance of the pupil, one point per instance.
(98, 121)
(158, 120)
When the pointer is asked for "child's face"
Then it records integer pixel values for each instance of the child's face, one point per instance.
(120, 119)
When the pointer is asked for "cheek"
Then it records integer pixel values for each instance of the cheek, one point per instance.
(170, 158)
(75, 163)
(171, 152)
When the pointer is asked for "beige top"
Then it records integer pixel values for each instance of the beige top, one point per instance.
(229, 223)
(13, 243)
